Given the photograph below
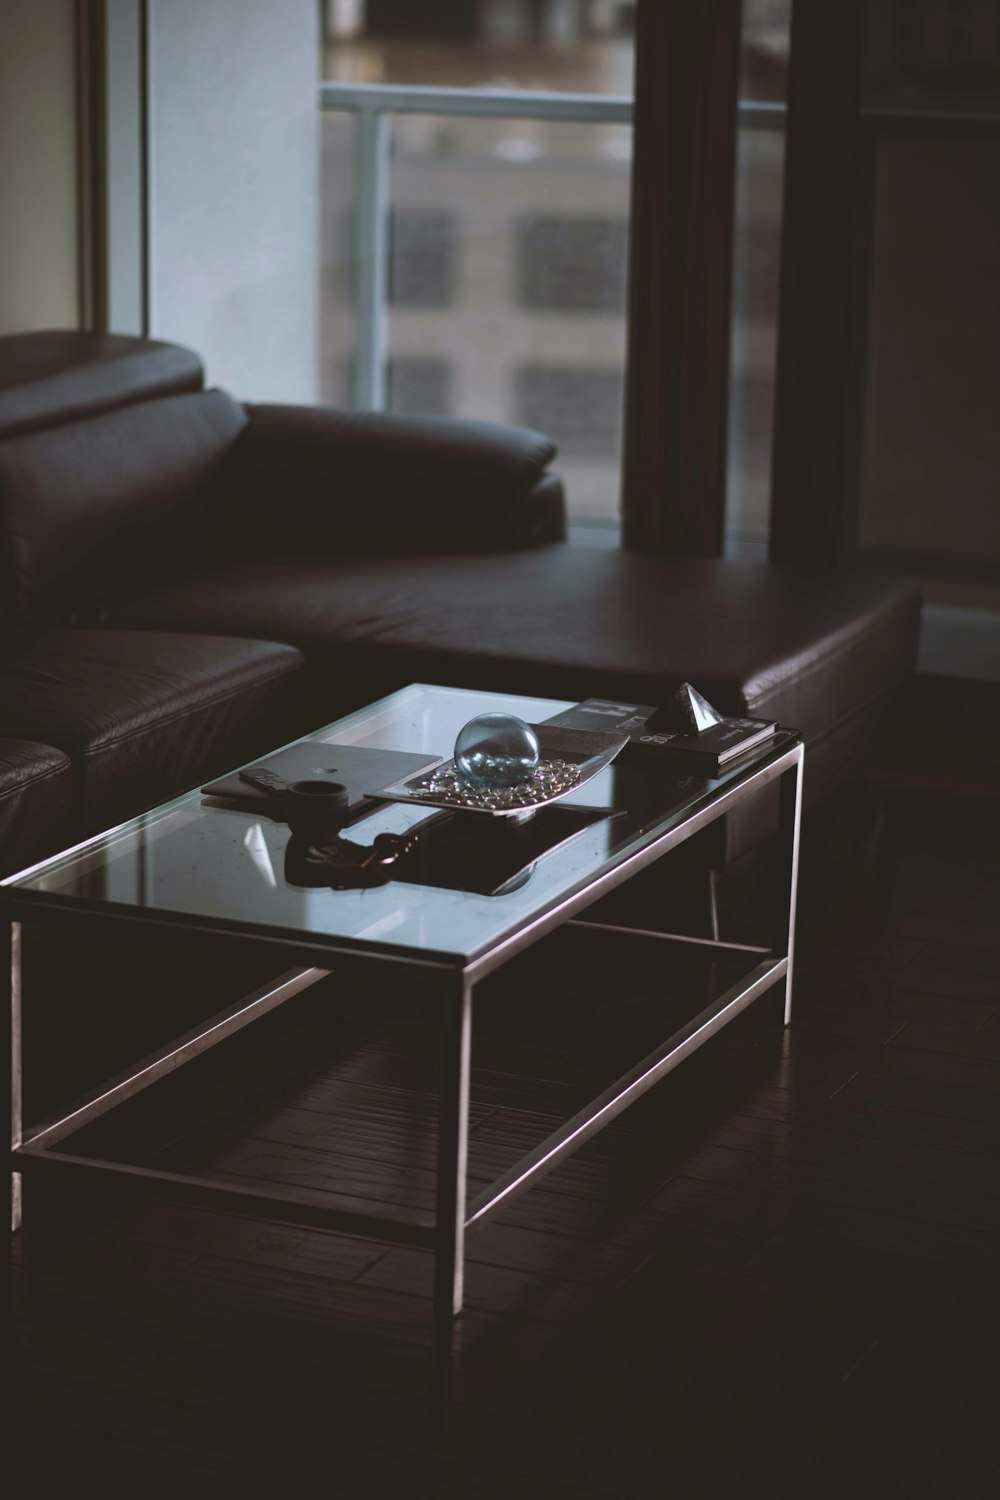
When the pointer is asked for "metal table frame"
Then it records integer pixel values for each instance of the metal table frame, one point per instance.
(38, 1150)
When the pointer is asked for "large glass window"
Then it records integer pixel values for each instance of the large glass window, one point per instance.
(503, 238)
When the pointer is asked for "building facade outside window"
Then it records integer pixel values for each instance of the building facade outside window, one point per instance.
(508, 239)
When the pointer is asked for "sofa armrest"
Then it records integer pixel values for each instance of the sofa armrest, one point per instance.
(342, 483)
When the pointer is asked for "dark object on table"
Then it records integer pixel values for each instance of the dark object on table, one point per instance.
(341, 864)
(708, 749)
(490, 858)
(315, 809)
(687, 712)
(711, 749)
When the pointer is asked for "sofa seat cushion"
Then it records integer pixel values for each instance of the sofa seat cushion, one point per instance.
(145, 715)
(810, 649)
(322, 482)
(35, 803)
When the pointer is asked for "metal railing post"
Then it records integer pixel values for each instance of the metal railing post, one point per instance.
(370, 253)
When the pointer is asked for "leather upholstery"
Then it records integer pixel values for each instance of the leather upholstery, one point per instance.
(809, 649)
(36, 791)
(547, 505)
(313, 481)
(96, 507)
(384, 548)
(144, 716)
(62, 375)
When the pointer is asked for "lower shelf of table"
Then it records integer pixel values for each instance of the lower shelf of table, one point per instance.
(326, 1113)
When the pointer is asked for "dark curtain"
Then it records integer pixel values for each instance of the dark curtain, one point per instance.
(677, 374)
(819, 219)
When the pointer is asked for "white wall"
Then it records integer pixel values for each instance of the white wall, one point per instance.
(38, 190)
(234, 190)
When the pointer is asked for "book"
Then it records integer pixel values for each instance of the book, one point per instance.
(358, 767)
(707, 749)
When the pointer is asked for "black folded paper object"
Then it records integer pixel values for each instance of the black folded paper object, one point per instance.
(686, 712)
(686, 731)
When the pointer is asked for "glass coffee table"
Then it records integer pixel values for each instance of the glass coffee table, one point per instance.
(453, 914)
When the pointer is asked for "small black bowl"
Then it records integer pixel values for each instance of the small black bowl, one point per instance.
(316, 809)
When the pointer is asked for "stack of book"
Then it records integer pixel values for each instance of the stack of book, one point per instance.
(651, 733)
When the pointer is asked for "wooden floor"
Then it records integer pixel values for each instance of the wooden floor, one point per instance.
(779, 1275)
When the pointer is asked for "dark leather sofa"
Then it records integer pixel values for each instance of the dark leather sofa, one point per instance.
(186, 582)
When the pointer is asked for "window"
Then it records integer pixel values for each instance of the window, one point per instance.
(502, 289)
(571, 264)
(422, 386)
(582, 405)
(422, 257)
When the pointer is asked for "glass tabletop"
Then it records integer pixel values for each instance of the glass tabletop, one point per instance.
(466, 886)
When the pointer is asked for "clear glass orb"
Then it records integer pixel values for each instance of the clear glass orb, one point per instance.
(495, 750)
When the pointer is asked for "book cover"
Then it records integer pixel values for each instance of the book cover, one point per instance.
(709, 749)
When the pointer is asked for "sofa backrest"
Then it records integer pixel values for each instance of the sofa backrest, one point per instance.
(62, 374)
(94, 508)
(111, 459)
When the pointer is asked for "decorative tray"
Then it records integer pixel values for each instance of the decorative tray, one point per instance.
(569, 758)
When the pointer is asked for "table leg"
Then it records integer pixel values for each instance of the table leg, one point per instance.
(453, 1130)
(11, 960)
(789, 819)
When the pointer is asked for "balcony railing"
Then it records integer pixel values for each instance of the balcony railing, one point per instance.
(372, 105)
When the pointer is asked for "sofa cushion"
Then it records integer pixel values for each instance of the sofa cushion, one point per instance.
(144, 715)
(807, 648)
(316, 481)
(96, 507)
(61, 375)
(35, 803)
